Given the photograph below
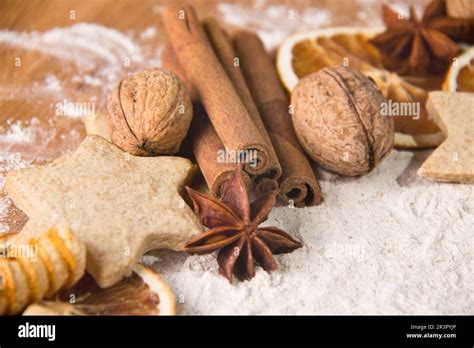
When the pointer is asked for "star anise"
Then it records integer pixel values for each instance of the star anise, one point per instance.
(233, 230)
(411, 46)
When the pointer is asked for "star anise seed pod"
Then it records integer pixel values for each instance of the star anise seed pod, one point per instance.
(233, 230)
(411, 46)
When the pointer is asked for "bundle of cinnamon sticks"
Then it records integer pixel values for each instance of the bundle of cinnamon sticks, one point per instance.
(241, 110)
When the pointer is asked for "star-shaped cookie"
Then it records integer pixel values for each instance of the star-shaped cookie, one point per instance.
(453, 160)
(120, 206)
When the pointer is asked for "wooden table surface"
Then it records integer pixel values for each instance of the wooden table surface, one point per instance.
(29, 96)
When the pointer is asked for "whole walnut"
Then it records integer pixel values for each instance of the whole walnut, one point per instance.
(336, 116)
(149, 113)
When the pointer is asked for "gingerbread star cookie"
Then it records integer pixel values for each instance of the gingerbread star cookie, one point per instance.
(120, 206)
(453, 160)
(97, 124)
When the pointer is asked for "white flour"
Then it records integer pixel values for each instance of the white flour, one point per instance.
(4, 205)
(386, 243)
(101, 54)
(148, 33)
(15, 133)
(8, 162)
(273, 23)
(78, 43)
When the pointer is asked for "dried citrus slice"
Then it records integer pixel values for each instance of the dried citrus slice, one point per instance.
(460, 76)
(143, 293)
(307, 52)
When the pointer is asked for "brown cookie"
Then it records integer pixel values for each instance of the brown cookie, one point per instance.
(453, 160)
(120, 206)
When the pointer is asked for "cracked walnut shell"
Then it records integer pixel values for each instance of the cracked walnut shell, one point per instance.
(337, 119)
(149, 113)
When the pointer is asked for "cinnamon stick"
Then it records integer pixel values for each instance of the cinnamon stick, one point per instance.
(204, 141)
(298, 182)
(224, 51)
(227, 113)
(206, 147)
(170, 62)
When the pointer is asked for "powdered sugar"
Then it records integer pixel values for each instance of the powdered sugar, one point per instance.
(385, 243)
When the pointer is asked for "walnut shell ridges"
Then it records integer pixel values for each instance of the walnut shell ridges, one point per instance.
(338, 122)
(149, 113)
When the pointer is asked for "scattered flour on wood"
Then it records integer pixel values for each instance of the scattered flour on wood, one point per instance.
(14, 133)
(77, 43)
(17, 133)
(52, 83)
(102, 54)
(4, 205)
(148, 33)
(8, 161)
(273, 23)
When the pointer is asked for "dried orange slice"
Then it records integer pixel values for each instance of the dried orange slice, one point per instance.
(460, 77)
(143, 293)
(307, 52)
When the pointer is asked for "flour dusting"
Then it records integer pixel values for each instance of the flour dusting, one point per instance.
(374, 246)
(16, 133)
(148, 33)
(100, 53)
(273, 23)
(8, 162)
